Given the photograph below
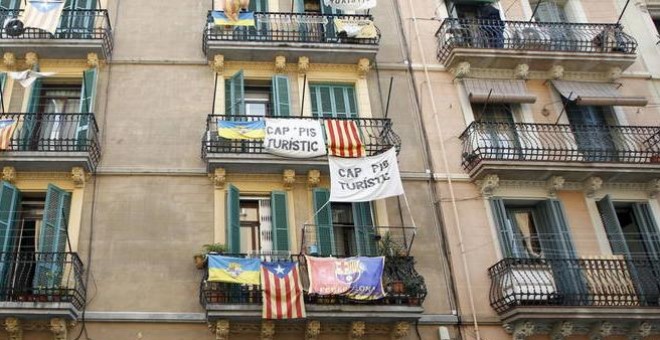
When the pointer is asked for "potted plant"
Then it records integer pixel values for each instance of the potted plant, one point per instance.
(213, 248)
(413, 287)
(392, 252)
(655, 158)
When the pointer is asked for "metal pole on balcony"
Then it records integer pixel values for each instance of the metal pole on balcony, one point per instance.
(389, 95)
(563, 109)
(486, 104)
(302, 103)
(622, 12)
(215, 92)
(536, 8)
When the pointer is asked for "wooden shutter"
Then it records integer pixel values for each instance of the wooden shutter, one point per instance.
(336, 101)
(612, 227)
(29, 119)
(549, 11)
(9, 202)
(510, 242)
(299, 6)
(280, 221)
(52, 238)
(258, 6)
(324, 228)
(364, 229)
(3, 80)
(233, 226)
(87, 98)
(315, 102)
(281, 96)
(351, 101)
(235, 94)
(648, 229)
(10, 4)
(646, 274)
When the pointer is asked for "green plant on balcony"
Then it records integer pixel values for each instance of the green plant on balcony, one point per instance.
(213, 248)
(394, 255)
(414, 288)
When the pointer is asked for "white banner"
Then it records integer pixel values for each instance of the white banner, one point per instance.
(294, 138)
(364, 179)
(351, 5)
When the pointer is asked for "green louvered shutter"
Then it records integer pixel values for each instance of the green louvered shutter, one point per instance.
(510, 242)
(29, 119)
(612, 227)
(329, 28)
(52, 239)
(235, 95)
(77, 21)
(233, 227)
(299, 6)
(258, 6)
(9, 200)
(313, 93)
(324, 229)
(87, 97)
(10, 4)
(649, 272)
(281, 97)
(364, 229)
(340, 102)
(280, 221)
(337, 101)
(351, 101)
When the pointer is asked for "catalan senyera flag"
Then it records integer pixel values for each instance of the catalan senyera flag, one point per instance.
(244, 19)
(242, 130)
(343, 138)
(234, 270)
(7, 127)
(282, 291)
(43, 14)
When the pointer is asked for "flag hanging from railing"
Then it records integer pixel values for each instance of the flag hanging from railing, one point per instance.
(7, 127)
(343, 138)
(359, 278)
(241, 130)
(233, 270)
(351, 5)
(294, 138)
(241, 19)
(282, 291)
(43, 14)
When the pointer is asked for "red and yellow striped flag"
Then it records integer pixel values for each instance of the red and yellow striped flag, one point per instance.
(343, 138)
(7, 127)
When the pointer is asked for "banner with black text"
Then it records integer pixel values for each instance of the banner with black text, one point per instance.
(294, 138)
(351, 5)
(364, 179)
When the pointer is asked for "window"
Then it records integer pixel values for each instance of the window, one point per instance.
(590, 128)
(257, 96)
(497, 132)
(343, 229)
(549, 10)
(257, 99)
(333, 101)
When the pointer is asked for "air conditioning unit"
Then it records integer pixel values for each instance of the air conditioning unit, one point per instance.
(13, 27)
(528, 285)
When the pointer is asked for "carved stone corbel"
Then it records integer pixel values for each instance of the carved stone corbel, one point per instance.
(561, 330)
(554, 184)
(640, 331)
(522, 330)
(653, 188)
(614, 73)
(400, 330)
(289, 178)
(313, 178)
(461, 70)
(78, 177)
(489, 184)
(591, 186)
(14, 328)
(9, 174)
(363, 67)
(93, 60)
(601, 330)
(303, 65)
(59, 329)
(218, 63)
(280, 64)
(221, 329)
(267, 330)
(556, 72)
(357, 331)
(313, 330)
(9, 60)
(31, 59)
(219, 178)
(521, 71)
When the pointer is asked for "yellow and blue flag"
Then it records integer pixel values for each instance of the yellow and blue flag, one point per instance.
(242, 130)
(234, 270)
(244, 19)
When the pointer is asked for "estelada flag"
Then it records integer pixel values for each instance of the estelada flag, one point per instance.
(282, 291)
(233, 270)
(7, 127)
(343, 138)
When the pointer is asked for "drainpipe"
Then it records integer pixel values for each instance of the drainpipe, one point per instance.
(456, 220)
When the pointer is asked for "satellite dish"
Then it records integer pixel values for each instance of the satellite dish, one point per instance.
(13, 27)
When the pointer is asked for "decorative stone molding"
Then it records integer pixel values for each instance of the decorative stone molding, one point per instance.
(400, 330)
(303, 65)
(592, 185)
(289, 178)
(313, 330)
(554, 184)
(219, 178)
(268, 330)
(614, 73)
(78, 177)
(561, 330)
(601, 330)
(489, 184)
(461, 70)
(358, 330)
(521, 330)
(93, 60)
(313, 178)
(521, 71)
(31, 59)
(14, 328)
(363, 67)
(640, 331)
(556, 72)
(9, 174)
(59, 329)
(218, 63)
(653, 188)
(280, 64)
(221, 329)
(9, 60)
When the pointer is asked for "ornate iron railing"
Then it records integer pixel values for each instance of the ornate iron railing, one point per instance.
(74, 24)
(55, 132)
(42, 277)
(376, 134)
(574, 282)
(342, 239)
(287, 28)
(401, 282)
(559, 143)
(532, 36)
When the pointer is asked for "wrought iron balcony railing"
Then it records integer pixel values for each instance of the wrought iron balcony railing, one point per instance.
(288, 28)
(532, 36)
(42, 277)
(574, 283)
(376, 134)
(559, 143)
(55, 133)
(74, 24)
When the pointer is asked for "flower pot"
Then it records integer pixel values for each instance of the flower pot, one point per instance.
(413, 301)
(397, 287)
(655, 158)
(199, 261)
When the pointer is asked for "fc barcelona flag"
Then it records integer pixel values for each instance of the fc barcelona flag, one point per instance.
(343, 138)
(43, 14)
(282, 291)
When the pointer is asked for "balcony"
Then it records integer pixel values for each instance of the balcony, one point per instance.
(291, 35)
(79, 33)
(576, 152)
(41, 285)
(612, 295)
(52, 142)
(505, 44)
(249, 156)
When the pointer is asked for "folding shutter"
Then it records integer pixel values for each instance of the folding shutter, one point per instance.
(9, 201)
(258, 6)
(280, 221)
(364, 229)
(351, 101)
(281, 97)
(324, 228)
(340, 102)
(233, 227)
(87, 97)
(313, 97)
(52, 239)
(235, 94)
(549, 11)
(29, 119)
(299, 6)
(649, 267)
(10, 4)
(612, 227)
(510, 242)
